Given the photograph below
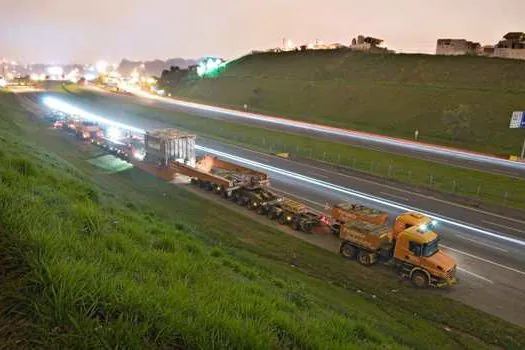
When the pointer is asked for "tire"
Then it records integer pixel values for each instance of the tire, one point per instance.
(348, 251)
(271, 215)
(282, 219)
(306, 227)
(364, 258)
(261, 210)
(296, 225)
(419, 279)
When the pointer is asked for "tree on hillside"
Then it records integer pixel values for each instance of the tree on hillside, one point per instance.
(457, 121)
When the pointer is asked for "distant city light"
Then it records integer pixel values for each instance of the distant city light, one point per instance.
(101, 66)
(90, 76)
(55, 71)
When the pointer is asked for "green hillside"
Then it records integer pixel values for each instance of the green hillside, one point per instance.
(460, 101)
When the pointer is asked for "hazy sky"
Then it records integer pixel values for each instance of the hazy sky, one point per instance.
(85, 30)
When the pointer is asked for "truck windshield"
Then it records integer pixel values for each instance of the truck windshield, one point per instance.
(431, 248)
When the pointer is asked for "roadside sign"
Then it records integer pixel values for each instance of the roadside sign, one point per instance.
(517, 120)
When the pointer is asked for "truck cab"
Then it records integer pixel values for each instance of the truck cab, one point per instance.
(418, 255)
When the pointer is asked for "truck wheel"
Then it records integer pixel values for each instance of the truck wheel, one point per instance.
(306, 227)
(261, 210)
(348, 251)
(419, 279)
(365, 258)
(271, 214)
(296, 225)
(282, 219)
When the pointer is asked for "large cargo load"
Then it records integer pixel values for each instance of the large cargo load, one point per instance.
(165, 145)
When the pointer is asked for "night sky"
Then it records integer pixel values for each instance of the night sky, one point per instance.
(67, 31)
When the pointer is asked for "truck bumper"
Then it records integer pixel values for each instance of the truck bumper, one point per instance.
(443, 283)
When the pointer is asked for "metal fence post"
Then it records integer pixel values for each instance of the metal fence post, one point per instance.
(454, 186)
(479, 191)
(431, 180)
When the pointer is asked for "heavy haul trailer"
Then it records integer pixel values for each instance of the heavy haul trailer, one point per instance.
(175, 151)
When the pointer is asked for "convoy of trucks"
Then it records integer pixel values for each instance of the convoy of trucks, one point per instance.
(410, 245)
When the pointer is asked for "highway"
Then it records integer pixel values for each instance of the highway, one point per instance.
(442, 154)
(487, 247)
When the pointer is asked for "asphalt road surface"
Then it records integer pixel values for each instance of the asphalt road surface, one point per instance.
(446, 155)
(489, 248)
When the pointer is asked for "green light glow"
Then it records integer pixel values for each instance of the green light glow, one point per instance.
(210, 66)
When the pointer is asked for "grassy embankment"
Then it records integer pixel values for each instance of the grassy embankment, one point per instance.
(476, 185)
(458, 101)
(94, 259)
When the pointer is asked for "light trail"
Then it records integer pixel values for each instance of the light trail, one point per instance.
(62, 106)
(67, 108)
(363, 136)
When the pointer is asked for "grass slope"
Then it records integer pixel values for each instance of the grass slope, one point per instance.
(478, 186)
(97, 260)
(382, 93)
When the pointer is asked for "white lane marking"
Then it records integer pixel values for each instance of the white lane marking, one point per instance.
(485, 244)
(475, 275)
(485, 260)
(319, 175)
(502, 226)
(395, 196)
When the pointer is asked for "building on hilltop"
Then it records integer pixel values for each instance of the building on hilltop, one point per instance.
(368, 44)
(457, 47)
(512, 46)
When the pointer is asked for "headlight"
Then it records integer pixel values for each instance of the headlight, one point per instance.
(434, 222)
(423, 227)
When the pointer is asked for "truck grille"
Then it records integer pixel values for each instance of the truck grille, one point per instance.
(451, 273)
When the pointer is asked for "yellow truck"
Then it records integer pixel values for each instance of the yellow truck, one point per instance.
(411, 245)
